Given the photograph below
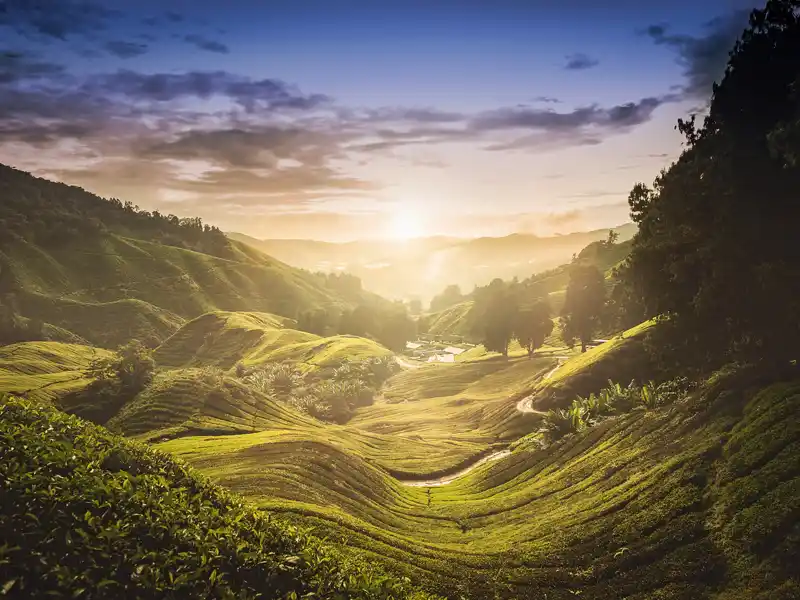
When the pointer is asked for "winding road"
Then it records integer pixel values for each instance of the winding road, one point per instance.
(405, 363)
(525, 405)
(451, 478)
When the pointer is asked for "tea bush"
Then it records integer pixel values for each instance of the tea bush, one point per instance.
(84, 513)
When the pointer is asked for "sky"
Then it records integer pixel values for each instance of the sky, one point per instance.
(352, 119)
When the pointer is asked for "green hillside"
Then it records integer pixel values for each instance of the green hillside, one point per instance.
(223, 339)
(45, 370)
(638, 505)
(109, 272)
(85, 510)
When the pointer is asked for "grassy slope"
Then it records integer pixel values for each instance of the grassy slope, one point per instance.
(106, 324)
(193, 401)
(171, 283)
(451, 321)
(683, 502)
(698, 500)
(84, 510)
(621, 359)
(222, 339)
(45, 370)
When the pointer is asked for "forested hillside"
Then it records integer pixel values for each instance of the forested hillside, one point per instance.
(107, 271)
(455, 314)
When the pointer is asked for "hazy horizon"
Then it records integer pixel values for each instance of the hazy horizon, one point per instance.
(378, 237)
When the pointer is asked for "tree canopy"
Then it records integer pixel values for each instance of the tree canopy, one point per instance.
(584, 304)
(717, 247)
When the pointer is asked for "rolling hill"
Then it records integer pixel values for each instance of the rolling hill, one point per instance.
(108, 272)
(122, 520)
(694, 498)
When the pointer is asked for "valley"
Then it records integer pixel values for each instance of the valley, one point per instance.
(608, 414)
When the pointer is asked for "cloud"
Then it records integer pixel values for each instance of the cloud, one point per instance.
(206, 44)
(595, 194)
(257, 147)
(16, 67)
(174, 17)
(702, 57)
(252, 94)
(123, 49)
(397, 114)
(621, 116)
(547, 100)
(55, 19)
(580, 62)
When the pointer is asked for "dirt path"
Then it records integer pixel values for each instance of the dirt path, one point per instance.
(405, 364)
(526, 404)
(451, 478)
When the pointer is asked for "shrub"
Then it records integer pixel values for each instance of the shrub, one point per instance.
(613, 399)
(330, 394)
(84, 513)
(117, 379)
(557, 423)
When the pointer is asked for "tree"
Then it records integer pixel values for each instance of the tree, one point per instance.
(583, 305)
(132, 367)
(532, 325)
(360, 322)
(316, 321)
(494, 314)
(449, 297)
(612, 238)
(397, 328)
(717, 250)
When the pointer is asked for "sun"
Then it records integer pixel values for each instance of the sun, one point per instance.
(405, 225)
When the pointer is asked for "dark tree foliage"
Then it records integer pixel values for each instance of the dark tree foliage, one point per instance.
(319, 322)
(494, 315)
(117, 379)
(396, 328)
(717, 248)
(361, 321)
(533, 324)
(584, 304)
(503, 311)
(51, 214)
(449, 297)
(344, 283)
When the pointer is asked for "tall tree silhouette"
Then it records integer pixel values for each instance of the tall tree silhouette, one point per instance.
(583, 304)
(717, 247)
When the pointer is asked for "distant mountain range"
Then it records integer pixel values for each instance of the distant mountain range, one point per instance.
(422, 267)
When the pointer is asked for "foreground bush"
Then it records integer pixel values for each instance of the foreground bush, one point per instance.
(84, 513)
(612, 400)
(331, 394)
